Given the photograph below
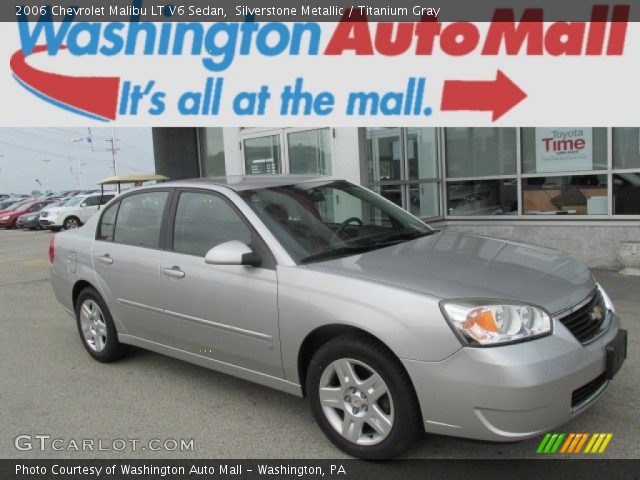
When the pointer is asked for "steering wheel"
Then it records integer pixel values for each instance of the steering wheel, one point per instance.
(344, 225)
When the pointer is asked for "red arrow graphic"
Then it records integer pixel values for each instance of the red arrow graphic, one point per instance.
(498, 96)
(94, 96)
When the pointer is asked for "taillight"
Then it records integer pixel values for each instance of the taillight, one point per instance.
(52, 248)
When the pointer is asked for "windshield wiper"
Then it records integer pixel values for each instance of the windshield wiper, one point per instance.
(335, 253)
(355, 249)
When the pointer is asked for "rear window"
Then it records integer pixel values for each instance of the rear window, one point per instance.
(139, 219)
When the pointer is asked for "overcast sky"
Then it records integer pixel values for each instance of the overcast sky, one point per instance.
(22, 151)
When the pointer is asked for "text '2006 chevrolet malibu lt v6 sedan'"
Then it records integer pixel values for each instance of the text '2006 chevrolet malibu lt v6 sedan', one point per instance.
(323, 289)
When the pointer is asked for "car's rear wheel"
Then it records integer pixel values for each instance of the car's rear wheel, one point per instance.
(71, 222)
(97, 330)
(362, 398)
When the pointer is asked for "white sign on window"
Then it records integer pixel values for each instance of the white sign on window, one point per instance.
(564, 149)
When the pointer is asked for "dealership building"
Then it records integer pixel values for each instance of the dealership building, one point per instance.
(575, 189)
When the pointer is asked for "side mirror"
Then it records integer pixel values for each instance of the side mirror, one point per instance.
(83, 204)
(233, 252)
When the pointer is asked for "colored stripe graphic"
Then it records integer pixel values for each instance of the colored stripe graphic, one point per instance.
(94, 97)
(572, 443)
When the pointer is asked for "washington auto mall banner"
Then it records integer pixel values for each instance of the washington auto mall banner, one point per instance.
(149, 64)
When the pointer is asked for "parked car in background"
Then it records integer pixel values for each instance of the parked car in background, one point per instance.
(8, 219)
(31, 220)
(12, 205)
(324, 289)
(75, 212)
(8, 202)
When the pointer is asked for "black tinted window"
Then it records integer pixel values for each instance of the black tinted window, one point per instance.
(106, 199)
(91, 201)
(204, 221)
(140, 219)
(107, 223)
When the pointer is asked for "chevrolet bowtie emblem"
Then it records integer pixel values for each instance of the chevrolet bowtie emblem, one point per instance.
(597, 313)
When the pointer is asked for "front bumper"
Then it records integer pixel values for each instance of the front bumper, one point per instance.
(512, 392)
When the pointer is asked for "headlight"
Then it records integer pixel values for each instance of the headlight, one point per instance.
(4, 217)
(607, 301)
(492, 322)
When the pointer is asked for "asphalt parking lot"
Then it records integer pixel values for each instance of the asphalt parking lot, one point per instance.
(49, 385)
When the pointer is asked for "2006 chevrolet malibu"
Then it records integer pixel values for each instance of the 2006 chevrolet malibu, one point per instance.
(321, 288)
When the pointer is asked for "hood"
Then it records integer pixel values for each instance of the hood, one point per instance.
(53, 209)
(450, 265)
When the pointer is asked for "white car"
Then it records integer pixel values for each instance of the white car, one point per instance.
(75, 212)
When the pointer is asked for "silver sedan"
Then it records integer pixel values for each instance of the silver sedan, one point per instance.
(321, 288)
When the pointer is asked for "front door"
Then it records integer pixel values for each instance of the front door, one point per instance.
(225, 312)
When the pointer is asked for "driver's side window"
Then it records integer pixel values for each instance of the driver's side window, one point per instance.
(205, 220)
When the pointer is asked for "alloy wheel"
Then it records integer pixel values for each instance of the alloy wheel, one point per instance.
(356, 401)
(94, 327)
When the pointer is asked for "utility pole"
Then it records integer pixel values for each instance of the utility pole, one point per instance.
(82, 172)
(114, 150)
(77, 141)
(46, 175)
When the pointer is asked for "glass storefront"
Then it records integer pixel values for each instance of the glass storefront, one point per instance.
(463, 173)
(402, 166)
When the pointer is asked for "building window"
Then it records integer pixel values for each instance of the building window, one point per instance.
(295, 151)
(212, 161)
(481, 167)
(310, 152)
(402, 166)
(480, 152)
(554, 153)
(626, 171)
(262, 155)
(553, 150)
(482, 197)
(571, 195)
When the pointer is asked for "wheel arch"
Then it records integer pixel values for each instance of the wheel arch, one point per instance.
(323, 334)
(78, 287)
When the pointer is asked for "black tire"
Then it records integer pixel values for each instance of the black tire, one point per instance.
(113, 349)
(71, 222)
(407, 423)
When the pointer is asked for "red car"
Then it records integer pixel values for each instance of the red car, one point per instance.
(9, 217)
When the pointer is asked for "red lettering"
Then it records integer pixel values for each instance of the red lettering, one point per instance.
(352, 33)
(459, 38)
(386, 45)
(503, 29)
(565, 38)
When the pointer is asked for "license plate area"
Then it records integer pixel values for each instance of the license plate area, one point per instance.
(616, 353)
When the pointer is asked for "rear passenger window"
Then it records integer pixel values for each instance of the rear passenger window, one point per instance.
(204, 221)
(107, 223)
(140, 219)
(105, 199)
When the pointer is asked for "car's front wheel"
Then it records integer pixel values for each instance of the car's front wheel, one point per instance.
(362, 398)
(71, 222)
(97, 330)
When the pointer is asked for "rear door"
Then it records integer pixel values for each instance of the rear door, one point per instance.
(126, 258)
(225, 312)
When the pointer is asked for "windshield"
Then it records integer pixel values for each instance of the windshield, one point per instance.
(23, 208)
(324, 220)
(74, 201)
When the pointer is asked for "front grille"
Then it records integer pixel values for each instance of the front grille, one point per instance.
(586, 322)
(585, 392)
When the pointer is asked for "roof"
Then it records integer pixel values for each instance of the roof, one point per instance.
(133, 178)
(250, 182)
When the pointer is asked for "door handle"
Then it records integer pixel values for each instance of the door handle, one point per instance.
(106, 259)
(174, 272)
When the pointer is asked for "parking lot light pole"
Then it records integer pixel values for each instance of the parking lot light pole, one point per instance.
(46, 175)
